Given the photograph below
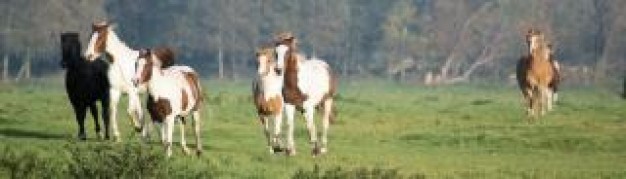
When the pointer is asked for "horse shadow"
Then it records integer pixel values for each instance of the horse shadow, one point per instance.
(32, 134)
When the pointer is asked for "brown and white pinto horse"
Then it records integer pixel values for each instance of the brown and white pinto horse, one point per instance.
(537, 75)
(174, 92)
(307, 84)
(268, 98)
(121, 69)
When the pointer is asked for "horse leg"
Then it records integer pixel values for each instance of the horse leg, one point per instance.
(145, 130)
(328, 109)
(183, 142)
(278, 124)
(552, 99)
(546, 100)
(169, 130)
(266, 131)
(196, 131)
(81, 110)
(134, 110)
(537, 97)
(309, 111)
(528, 98)
(114, 99)
(94, 113)
(105, 116)
(290, 112)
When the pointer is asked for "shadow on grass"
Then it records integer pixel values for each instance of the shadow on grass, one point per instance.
(21, 133)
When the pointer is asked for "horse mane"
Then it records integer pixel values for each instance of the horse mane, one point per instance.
(165, 55)
(266, 50)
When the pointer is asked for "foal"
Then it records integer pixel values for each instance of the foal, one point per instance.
(268, 98)
(173, 92)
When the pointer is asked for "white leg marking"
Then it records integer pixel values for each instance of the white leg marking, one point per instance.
(196, 131)
(328, 108)
(169, 125)
(183, 142)
(134, 109)
(290, 112)
(114, 99)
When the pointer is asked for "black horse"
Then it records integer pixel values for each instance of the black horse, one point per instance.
(86, 83)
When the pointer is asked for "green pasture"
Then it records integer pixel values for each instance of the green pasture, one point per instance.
(382, 130)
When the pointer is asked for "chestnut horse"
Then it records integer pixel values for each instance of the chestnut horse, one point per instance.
(539, 74)
(307, 84)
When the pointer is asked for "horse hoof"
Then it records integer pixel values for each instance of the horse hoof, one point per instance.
(82, 137)
(290, 152)
(323, 150)
(199, 152)
(186, 151)
(316, 151)
(138, 129)
(277, 149)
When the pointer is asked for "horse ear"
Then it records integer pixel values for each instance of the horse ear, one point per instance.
(144, 52)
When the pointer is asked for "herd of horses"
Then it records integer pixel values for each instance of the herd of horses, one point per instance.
(286, 82)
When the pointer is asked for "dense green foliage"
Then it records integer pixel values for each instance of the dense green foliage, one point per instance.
(383, 131)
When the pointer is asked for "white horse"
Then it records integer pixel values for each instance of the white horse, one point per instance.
(307, 84)
(268, 98)
(105, 40)
(173, 92)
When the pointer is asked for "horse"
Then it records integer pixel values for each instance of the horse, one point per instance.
(121, 69)
(85, 83)
(523, 64)
(268, 99)
(307, 84)
(174, 92)
(538, 75)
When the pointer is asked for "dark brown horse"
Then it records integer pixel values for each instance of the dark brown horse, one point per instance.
(86, 83)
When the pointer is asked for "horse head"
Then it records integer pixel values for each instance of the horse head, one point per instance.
(266, 61)
(98, 41)
(143, 67)
(284, 42)
(535, 40)
(70, 48)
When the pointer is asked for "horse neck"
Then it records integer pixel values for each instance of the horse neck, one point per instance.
(540, 55)
(119, 50)
(291, 69)
(270, 81)
(155, 79)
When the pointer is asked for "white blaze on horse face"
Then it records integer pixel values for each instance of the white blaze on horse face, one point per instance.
(281, 51)
(139, 68)
(262, 60)
(90, 53)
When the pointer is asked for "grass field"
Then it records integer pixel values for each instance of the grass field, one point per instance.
(383, 130)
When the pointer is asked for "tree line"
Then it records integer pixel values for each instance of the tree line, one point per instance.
(410, 41)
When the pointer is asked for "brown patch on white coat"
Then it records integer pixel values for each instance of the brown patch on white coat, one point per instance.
(173, 92)
(308, 84)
